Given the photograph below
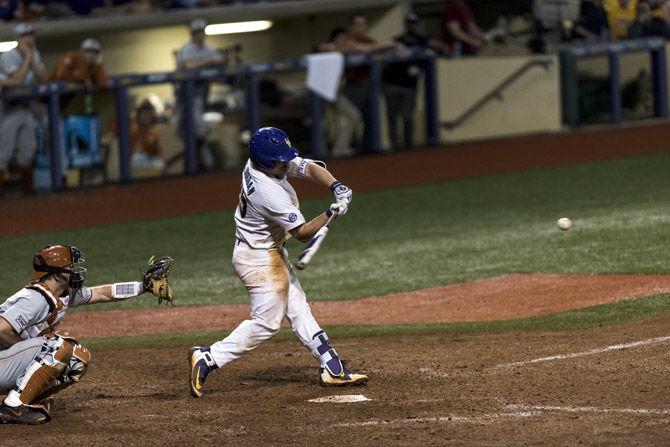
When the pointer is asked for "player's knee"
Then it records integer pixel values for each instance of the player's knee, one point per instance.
(270, 326)
(63, 353)
(273, 327)
(81, 357)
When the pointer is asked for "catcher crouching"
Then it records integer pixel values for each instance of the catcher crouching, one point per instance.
(36, 360)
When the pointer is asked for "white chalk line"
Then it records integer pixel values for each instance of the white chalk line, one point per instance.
(616, 347)
(345, 399)
(542, 408)
(514, 411)
(490, 417)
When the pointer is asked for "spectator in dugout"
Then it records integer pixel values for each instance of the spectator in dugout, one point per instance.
(620, 14)
(83, 65)
(194, 55)
(343, 120)
(400, 83)
(592, 23)
(20, 66)
(144, 142)
(357, 79)
(647, 23)
(460, 31)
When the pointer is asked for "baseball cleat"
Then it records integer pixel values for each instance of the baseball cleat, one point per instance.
(44, 404)
(201, 364)
(346, 377)
(24, 414)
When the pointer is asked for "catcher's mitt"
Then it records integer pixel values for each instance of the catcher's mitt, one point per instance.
(155, 278)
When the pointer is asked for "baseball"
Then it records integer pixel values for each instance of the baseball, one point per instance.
(564, 223)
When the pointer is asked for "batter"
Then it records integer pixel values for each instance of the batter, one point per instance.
(267, 213)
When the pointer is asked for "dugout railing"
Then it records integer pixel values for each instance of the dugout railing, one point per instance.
(570, 55)
(250, 75)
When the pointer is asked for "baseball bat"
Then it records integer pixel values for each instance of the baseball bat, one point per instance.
(313, 245)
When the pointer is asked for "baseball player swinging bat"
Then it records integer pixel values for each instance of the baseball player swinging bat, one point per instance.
(313, 245)
(268, 212)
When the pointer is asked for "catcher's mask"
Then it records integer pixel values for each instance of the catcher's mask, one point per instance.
(60, 259)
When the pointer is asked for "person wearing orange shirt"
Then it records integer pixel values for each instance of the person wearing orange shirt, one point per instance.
(144, 142)
(83, 65)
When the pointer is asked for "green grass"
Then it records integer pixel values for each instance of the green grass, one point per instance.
(408, 238)
(604, 314)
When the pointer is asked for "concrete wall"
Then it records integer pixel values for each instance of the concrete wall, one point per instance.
(530, 104)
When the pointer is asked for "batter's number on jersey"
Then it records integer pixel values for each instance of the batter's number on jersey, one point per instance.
(243, 205)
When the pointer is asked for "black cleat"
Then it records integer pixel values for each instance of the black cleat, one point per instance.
(24, 414)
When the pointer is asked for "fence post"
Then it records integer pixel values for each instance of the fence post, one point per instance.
(318, 146)
(55, 140)
(569, 89)
(615, 86)
(374, 93)
(123, 123)
(190, 149)
(253, 102)
(659, 72)
(431, 101)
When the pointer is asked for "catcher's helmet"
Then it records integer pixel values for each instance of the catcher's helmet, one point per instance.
(269, 145)
(60, 259)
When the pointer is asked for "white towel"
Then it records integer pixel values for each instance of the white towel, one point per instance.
(324, 71)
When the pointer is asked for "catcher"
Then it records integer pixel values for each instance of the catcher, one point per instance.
(36, 360)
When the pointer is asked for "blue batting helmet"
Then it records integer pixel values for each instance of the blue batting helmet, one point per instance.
(269, 145)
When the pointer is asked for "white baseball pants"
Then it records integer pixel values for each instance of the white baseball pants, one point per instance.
(275, 293)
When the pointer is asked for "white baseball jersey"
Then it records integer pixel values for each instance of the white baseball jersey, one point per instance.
(34, 309)
(268, 207)
(267, 211)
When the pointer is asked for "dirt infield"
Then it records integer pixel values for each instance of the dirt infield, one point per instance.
(602, 386)
(503, 298)
(424, 390)
(174, 197)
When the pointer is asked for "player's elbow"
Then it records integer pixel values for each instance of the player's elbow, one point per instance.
(300, 234)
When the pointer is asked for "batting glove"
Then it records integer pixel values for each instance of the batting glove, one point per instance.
(339, 209)
(342, 192)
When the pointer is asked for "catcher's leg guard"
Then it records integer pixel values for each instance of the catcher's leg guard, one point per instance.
(43, 373)
(73, 373)
(333, 371)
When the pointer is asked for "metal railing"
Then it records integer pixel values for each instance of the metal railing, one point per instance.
(569, 81)
(251, 74)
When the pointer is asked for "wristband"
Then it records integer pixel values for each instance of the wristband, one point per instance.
(125, 290)
(334, 185)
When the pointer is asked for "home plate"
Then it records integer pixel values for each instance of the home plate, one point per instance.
(345, 399)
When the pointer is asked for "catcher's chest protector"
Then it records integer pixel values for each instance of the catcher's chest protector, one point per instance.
(55, 306)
